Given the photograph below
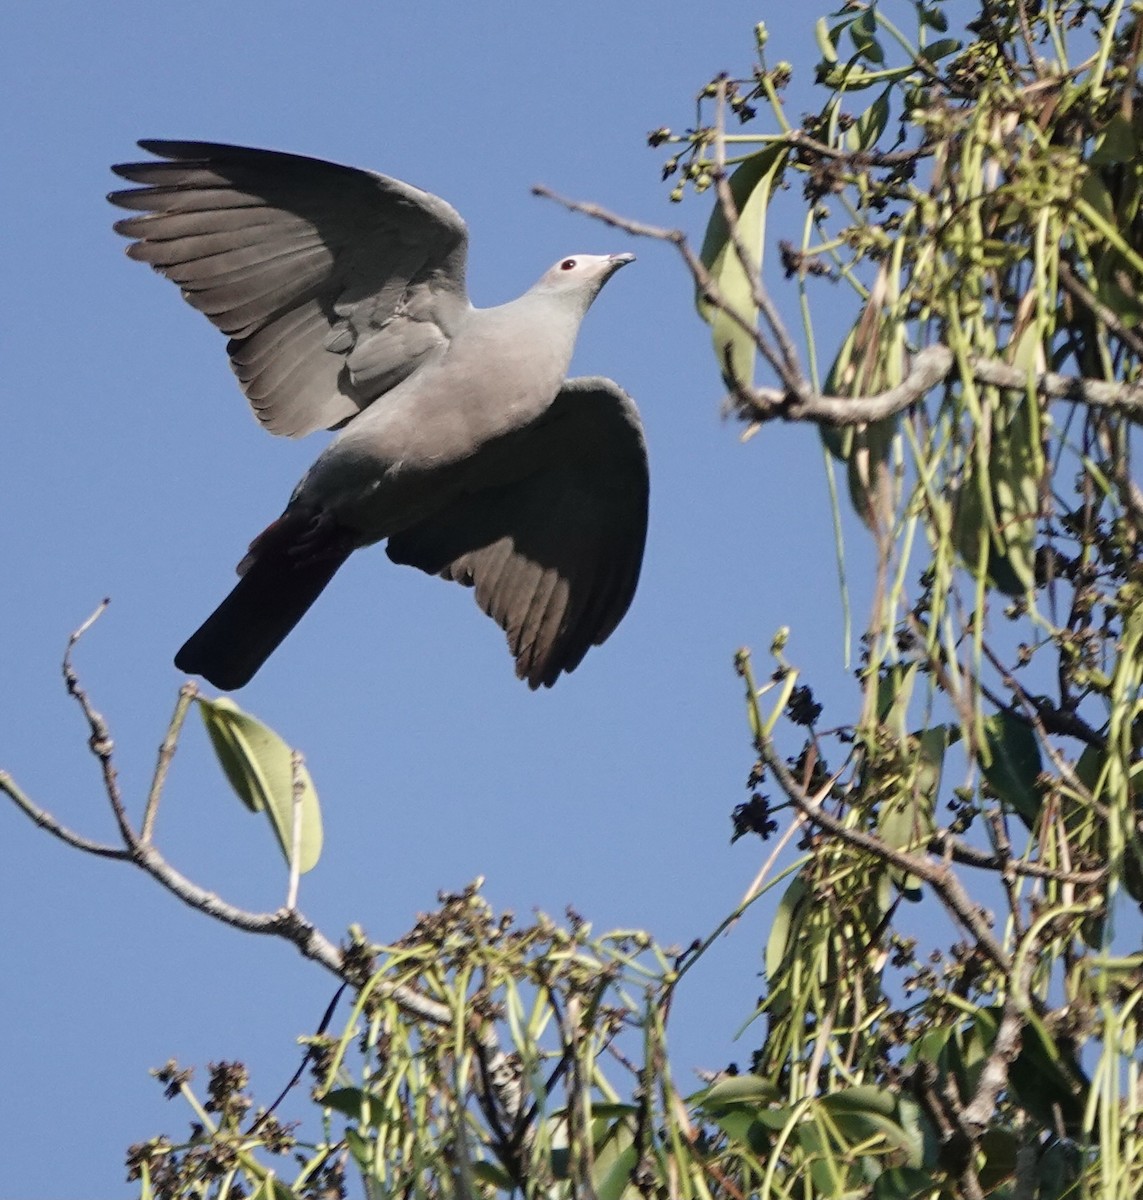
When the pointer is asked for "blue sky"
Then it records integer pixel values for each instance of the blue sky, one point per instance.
(133, 469)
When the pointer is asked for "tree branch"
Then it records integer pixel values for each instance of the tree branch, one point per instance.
(287, 922)
(795, 401)
(942, 880)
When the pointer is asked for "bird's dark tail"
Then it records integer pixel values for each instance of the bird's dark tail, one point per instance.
(286, 570)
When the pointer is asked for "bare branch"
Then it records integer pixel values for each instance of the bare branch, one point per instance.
(166, 753)
(598, 213)
(1081, 292)
(942, 880)
(945, 843)
(1125, 398)
(980, 1111)
(928, 368)
(795, 401)
(858, 159)
(287, 923)
(100, 741)
(45, 820)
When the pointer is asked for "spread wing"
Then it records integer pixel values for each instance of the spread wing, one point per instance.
(554, 554)
(332, 283)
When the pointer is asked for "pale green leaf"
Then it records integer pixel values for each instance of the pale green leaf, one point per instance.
(785, 919)
(258, 765)
(751, 186)
(615, 1158)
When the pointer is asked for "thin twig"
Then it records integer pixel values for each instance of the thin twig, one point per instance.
(297, 789)
(1081, 292)
(311, 1051)
(100, 741)
(166, 753)
(945, 843)
(45, 820)
(704, 281)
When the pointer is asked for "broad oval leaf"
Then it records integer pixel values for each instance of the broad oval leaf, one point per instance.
(349, 1101)
(827, 39)
(941, 48)
(749, 1089)
(615, 1157)
(863, 32)
(1013, 764)
(258, 765)
(1117, 143)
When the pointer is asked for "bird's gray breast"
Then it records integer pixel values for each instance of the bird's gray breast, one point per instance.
(438, 432)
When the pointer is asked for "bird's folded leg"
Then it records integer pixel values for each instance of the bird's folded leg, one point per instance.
(304, 537)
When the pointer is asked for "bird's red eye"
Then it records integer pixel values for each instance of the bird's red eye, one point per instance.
(568, 264)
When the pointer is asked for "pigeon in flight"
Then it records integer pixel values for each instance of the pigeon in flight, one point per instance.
(459, 438)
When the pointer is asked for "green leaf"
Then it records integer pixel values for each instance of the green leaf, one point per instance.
(491, 1173)
(863, 32)
(751, 186)
(827, 39)
(903, 1183)
(1007, 540)
(867, 1098)
(258, 765)
(860, 1114)
(740, 1106)
(1047, 1079)
(615, 1158)
(776, 1119)
(1013, 764)
(1094, 191)
(1017, 468)
(863, 26)
(349, 1101)
(1117, 144)
(737, 1089)
(1115, 290)
(941, 48)
(865, 131)
(362, 1150)
(1059, 1172)
(785, 920)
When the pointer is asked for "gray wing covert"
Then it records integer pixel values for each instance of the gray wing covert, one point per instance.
(555, 553)
(332, 283)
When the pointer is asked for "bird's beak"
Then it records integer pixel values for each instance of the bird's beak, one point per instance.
(620, 260)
